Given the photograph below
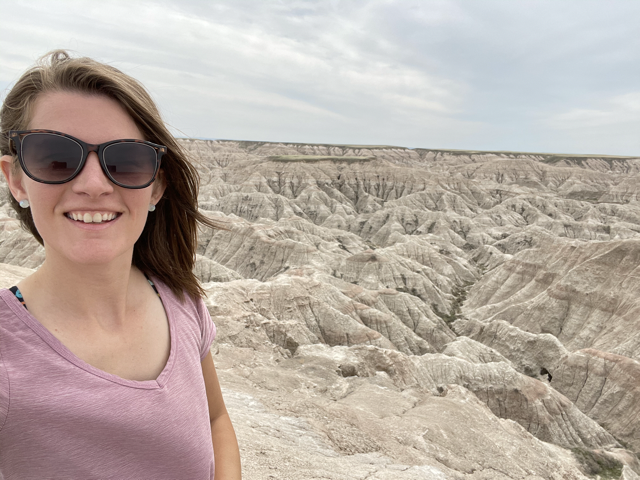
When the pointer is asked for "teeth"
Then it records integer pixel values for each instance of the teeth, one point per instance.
(89, 218)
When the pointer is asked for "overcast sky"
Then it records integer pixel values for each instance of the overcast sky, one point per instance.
(524, 75)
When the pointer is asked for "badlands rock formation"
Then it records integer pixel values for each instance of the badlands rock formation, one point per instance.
(392, 313)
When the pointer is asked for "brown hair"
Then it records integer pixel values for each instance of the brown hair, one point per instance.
(167, 246)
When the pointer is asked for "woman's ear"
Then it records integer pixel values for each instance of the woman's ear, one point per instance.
(158, 187)
(14, 177)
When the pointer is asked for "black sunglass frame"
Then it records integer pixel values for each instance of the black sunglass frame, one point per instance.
(17, 136)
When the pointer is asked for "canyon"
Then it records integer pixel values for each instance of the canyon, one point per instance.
(393, 313)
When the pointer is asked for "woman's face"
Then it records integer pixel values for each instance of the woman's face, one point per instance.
(94, 119)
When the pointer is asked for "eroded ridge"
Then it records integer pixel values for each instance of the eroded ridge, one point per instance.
(414, 313)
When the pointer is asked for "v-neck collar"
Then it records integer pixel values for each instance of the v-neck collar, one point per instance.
(23, 314)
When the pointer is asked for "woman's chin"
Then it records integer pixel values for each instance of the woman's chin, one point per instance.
(93, 255)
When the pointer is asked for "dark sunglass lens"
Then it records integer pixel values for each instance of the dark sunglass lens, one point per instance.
(131, 164)
(50, 158)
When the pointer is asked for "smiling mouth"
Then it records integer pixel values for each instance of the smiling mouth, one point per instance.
(92, 217)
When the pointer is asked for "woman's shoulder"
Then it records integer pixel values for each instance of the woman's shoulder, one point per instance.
(168, 296)
(10, 300)
(188, 312)
(186, 304)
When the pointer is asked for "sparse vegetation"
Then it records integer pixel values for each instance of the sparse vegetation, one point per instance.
(410, 291)
(459, 296)
(596, 464)
(579, 160)
(585, 196)
(319, 158)
(246, 144)
(549, 158)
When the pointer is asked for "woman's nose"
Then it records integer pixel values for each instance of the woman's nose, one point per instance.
(91, 180)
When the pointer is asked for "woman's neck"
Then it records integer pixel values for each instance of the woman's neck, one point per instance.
(94, 295)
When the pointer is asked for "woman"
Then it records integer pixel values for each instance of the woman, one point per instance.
(105, 369)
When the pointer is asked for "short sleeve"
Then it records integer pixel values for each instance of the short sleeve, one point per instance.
(4, 391)
(207, 328)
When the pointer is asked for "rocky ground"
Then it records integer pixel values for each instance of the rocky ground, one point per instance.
(391, 313)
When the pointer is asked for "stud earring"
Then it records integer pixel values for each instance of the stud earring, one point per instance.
(152, 207)
(24, 203)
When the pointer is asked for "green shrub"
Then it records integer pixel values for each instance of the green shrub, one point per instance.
(595, 463)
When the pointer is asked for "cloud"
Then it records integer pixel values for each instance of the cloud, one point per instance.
(616, 110)
(443, 73)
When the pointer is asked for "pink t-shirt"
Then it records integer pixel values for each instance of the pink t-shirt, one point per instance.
(61, 418)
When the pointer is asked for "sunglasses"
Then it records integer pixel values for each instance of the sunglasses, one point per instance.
(53, 157)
